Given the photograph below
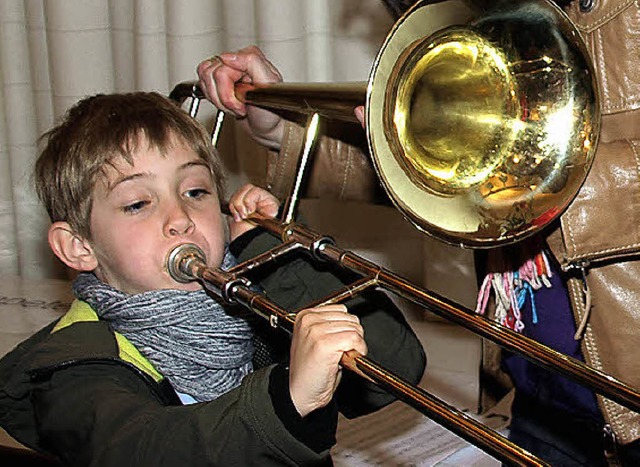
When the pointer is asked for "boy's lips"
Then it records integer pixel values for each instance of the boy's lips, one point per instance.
(181, 258)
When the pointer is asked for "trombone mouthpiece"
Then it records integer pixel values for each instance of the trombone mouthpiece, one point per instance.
(181, 260)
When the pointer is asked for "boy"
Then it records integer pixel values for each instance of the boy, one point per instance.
(145, 371)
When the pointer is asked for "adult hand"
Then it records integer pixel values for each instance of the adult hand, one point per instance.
(218, 76)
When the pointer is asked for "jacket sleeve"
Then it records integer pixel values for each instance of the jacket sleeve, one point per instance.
(391, 342)
(105, 414)
(341, 167)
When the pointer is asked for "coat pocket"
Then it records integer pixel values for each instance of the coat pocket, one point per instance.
(603, 221)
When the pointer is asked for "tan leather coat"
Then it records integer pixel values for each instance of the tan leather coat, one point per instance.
(340, 169)
(600, 232)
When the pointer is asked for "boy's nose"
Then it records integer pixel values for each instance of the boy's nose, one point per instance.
(179, 222)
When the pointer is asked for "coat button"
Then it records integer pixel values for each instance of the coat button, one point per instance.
(587, 5)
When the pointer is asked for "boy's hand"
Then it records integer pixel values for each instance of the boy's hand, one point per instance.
(247, 200)
(320, 338)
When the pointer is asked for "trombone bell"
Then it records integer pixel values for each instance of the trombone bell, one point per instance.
(483, 132)
(482, 116)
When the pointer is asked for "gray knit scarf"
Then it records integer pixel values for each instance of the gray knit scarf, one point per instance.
(201, 346)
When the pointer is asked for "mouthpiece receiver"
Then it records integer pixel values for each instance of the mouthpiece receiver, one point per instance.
(182, 260)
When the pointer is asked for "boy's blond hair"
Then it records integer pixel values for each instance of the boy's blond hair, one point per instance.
(97, 131)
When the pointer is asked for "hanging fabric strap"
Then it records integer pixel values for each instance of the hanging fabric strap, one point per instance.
(511, 290)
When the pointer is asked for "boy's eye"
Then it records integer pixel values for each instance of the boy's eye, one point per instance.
(197, 193)
(134, 207)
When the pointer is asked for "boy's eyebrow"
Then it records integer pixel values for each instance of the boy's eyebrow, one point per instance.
(111, 186)
(194, 163)
(126, 178)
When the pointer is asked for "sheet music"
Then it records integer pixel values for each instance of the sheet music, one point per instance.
(398, 435)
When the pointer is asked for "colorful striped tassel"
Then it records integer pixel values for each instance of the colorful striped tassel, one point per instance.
(511, 290)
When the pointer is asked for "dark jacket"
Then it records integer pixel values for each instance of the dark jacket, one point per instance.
(69, 393)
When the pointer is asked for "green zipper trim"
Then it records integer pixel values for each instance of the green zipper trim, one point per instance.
(82, 312)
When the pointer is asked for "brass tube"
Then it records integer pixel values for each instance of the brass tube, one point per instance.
(330, 100)
(186, 262)
(546, 357)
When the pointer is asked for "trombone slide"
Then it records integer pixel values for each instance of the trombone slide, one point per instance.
(186, 263)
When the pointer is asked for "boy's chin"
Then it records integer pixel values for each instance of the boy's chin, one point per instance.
(172, 285)
(189, 287)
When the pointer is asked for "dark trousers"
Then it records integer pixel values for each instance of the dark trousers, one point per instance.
(563, 439)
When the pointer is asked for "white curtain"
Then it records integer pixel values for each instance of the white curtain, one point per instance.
(54, 52)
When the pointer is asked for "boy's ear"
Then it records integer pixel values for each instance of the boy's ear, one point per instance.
(72, 249)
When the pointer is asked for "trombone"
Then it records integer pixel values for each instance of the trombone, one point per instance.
(482, 121)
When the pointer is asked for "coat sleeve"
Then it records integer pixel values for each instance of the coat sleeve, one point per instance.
(341, 167)
(105, 414)
(299, 281)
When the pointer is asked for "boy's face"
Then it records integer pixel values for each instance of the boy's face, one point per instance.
(141, 211)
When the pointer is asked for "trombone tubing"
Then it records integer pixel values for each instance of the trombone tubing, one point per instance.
(234, 289)
(532, 350)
